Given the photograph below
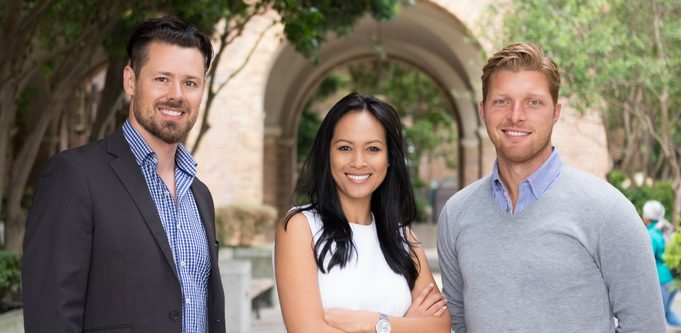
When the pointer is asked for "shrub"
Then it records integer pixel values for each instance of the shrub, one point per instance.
(10, 273)
(239, 225)
(639, 195)
(672, 256)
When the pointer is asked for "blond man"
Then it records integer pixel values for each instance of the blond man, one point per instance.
(538, 246)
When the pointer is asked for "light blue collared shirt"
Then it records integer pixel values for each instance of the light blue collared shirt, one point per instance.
(532, 188)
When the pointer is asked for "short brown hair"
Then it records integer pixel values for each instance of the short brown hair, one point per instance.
(522, 57)
(168, 30)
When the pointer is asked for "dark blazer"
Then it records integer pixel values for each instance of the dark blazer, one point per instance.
(96, 257)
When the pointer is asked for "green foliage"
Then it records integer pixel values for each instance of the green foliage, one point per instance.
(24, 104)
(47, 67)
(10, 272)
(307, 130)
(238, 224)
(65, 21)
(25, 203)
(639, 195)
(600, 46)
(672, 255)
(306, 23)
(423, 207)
(115, 43)
(310, 121)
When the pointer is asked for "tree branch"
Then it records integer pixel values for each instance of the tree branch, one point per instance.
(675, 117)
(257, 42)
(205, 126)
(34, 16)
(10, 25)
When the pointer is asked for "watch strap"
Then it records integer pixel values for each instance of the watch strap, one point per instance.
(383, 316)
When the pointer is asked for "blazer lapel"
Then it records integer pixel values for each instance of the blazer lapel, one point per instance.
(129, 173)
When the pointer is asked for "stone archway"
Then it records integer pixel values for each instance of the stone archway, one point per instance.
(424, 36)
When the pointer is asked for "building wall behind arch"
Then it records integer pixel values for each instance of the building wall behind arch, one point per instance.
(230, 156)
(581, 141)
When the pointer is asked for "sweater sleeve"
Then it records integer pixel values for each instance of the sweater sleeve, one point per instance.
(452, 280)
(628, 267)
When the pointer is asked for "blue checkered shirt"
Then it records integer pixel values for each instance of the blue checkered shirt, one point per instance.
(182, 224)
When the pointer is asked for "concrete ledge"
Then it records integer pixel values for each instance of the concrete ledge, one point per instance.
(236, 281)
(12, 321)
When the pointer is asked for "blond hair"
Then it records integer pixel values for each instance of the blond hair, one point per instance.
(521, 57)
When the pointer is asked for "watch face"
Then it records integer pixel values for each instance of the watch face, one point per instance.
(383, 326)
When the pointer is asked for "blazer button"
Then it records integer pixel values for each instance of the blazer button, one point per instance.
(174, 315)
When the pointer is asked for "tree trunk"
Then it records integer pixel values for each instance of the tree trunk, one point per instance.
(631, 146)
(7, 115)
(111, 96)
(8, 112)
(15, 225)
(68, 76)
(647, 158)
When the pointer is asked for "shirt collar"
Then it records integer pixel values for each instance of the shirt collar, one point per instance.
(539, 180)
(142, 151)
(139, 147)
(544, 176)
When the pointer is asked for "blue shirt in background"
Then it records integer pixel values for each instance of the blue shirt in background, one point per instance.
(663, 272)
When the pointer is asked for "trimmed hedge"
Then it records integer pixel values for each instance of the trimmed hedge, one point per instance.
(239, 225)
(10, 273)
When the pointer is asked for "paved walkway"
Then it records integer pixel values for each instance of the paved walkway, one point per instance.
(270, 319)
(269, 322)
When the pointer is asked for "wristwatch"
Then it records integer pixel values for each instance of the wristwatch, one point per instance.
(383, 325)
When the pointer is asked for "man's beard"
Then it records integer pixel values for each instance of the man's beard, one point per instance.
(170, 132)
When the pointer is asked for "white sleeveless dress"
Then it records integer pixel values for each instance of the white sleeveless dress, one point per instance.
(366, 282)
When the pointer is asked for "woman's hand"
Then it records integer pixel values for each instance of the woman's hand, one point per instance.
(351, 321)
(424, 305)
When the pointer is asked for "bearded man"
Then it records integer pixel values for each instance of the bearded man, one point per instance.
(121, 233)
(538, 246)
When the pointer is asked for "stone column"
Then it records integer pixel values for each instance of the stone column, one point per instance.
(236, 279)
(278, 170)
(285, 173)
(470, 161)
(269, 172)
(488, 153)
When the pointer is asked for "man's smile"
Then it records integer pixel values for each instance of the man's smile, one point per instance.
(516, 133)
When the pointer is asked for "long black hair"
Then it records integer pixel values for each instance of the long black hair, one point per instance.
(392, 203)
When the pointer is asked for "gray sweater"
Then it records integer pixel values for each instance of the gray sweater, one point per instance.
(570, 262)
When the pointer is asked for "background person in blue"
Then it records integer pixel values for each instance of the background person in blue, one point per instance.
(653, 215)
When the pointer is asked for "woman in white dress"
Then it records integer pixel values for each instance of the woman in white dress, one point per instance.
(347, 262)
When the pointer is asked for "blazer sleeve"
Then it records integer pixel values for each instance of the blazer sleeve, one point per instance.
(57, 248)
